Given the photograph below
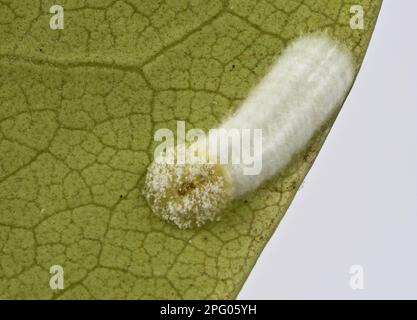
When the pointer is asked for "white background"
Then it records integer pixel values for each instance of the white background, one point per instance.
(358, 205)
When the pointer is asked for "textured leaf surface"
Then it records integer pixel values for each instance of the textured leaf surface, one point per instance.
(78, 109)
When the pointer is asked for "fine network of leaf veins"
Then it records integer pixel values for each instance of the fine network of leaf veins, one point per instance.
(78, 108)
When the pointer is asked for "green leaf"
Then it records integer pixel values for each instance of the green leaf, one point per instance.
(78, 109)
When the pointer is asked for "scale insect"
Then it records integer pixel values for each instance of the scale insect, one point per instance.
(303, 88)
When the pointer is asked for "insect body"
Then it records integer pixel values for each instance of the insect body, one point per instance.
(302, 89)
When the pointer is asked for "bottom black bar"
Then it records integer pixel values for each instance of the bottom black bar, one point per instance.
(210, 309)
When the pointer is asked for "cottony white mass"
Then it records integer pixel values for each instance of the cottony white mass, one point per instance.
(303, 88)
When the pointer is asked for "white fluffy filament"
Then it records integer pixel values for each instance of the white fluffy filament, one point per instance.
(303, 88)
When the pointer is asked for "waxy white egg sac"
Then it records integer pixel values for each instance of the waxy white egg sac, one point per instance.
(307, 83)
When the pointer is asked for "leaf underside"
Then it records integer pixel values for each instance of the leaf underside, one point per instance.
(78, 109)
